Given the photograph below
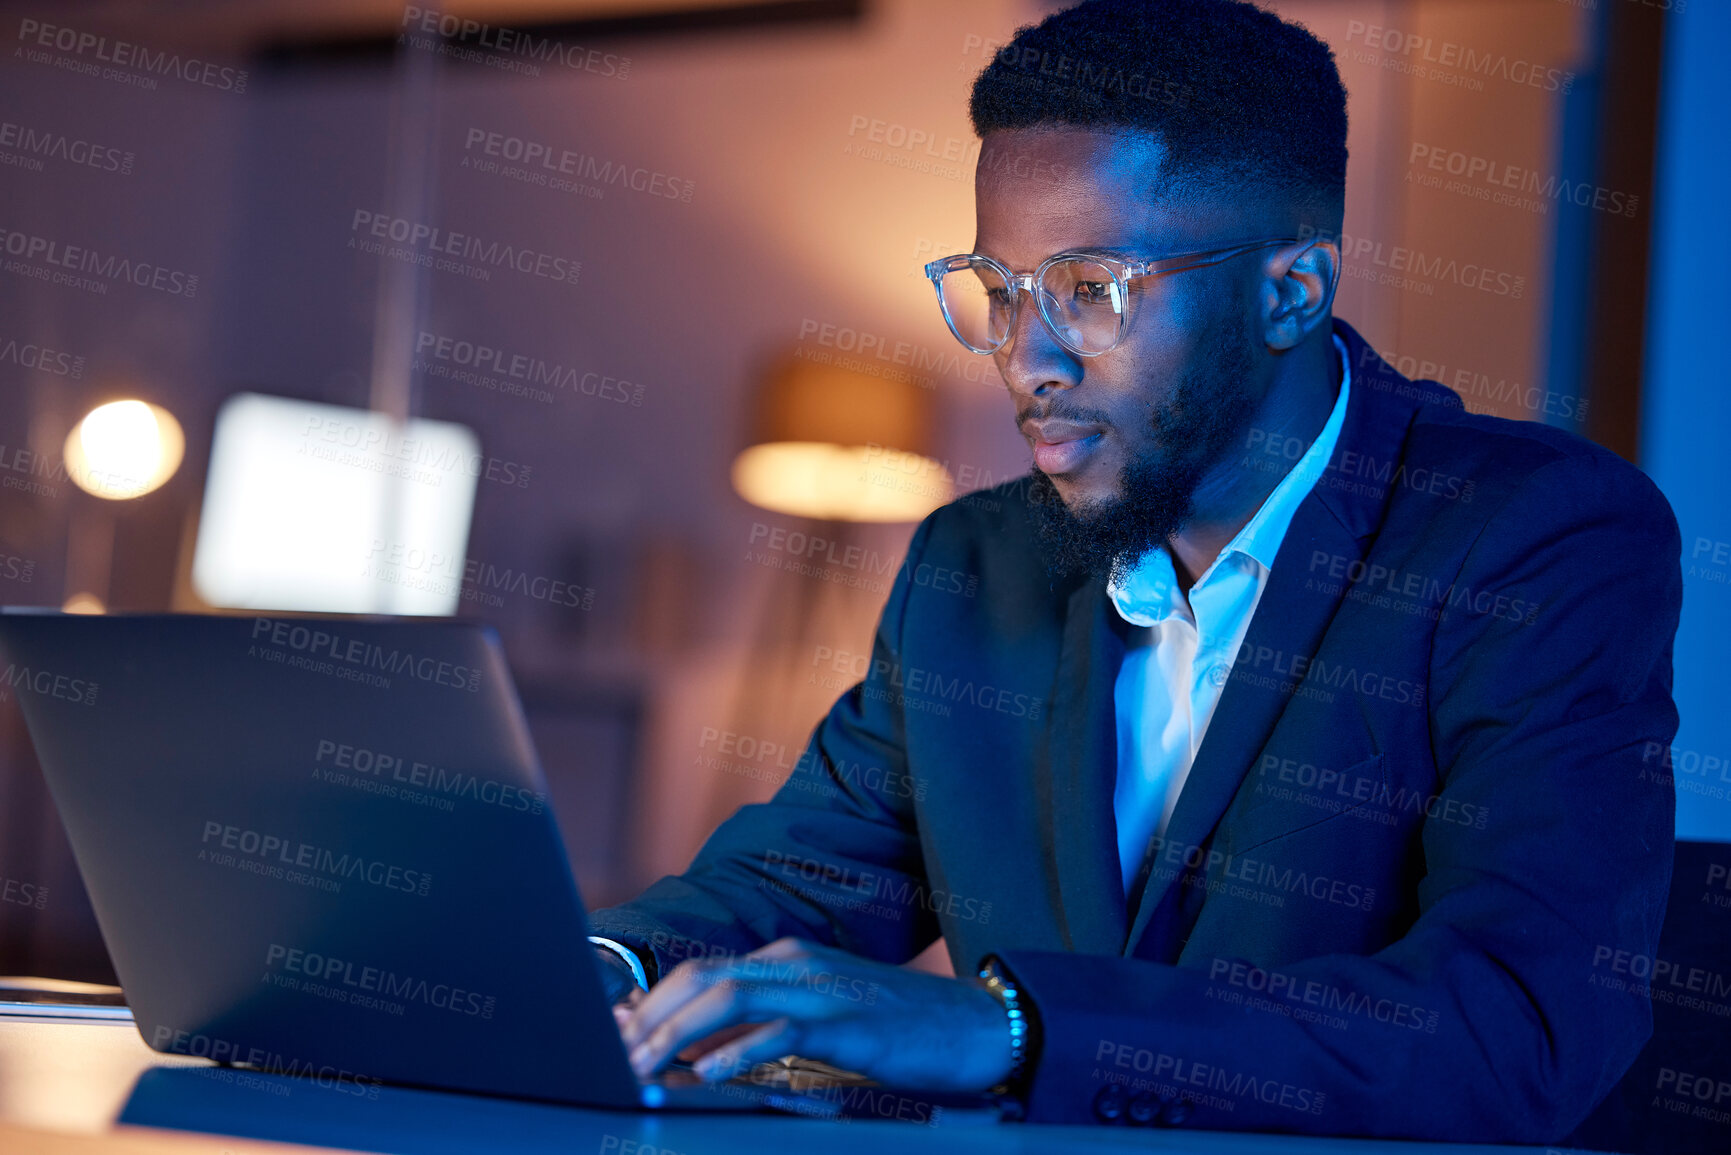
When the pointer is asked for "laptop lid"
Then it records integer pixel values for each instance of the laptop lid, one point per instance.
(320, 846)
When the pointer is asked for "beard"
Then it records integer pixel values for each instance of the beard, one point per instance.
(1156, 490)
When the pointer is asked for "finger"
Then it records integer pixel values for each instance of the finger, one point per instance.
(722, 1005)
(692, 1052)
(687, 981)
(625, 1007)
(756, 1045)
(789, 948)
(690, 978)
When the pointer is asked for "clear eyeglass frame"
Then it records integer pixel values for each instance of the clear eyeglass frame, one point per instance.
(1123, 272)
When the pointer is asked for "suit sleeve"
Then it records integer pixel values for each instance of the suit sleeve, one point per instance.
(834, 857)
(1551, 726)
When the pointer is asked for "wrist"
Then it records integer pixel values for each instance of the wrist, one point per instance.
(994, 1059)
(624, 958)
(1020, 1026)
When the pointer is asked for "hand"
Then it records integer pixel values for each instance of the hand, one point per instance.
(616, 978)
(900, 1027)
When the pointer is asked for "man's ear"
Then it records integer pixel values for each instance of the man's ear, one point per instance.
(1298, 291)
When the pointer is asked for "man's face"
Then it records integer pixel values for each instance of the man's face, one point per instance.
(1121, 441)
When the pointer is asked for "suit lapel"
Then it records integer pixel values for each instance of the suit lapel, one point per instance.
(1078, 774)
(1339, 517)
(1289, 623)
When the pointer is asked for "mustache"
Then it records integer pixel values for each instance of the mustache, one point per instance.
(1076, 415)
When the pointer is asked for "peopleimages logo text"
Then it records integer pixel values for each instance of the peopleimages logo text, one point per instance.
(425, 240)
(107, 267)
(322, 1075)
(547, 161)
(275, 850)
(355, 652)
(365, 445)
(1417, 49)
(380, 766)
(523, 367)
(377, 981)
(1367, 255)
(125, 54)
(40, 142)
(48, 684)
(513, 42)
(39, 357)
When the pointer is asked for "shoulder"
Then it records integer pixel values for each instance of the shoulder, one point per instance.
(1478, 462)
(1530, 465)
(993, 525)
(1544, 515)
(986, 544)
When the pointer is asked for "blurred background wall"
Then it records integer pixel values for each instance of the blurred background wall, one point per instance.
(796, 163)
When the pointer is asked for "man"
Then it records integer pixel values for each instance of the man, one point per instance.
(1285, 772)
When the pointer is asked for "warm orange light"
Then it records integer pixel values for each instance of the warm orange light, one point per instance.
(840, 445)
(124, 449)
(841, 482)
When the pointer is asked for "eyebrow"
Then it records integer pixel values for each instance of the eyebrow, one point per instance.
(1122, 252)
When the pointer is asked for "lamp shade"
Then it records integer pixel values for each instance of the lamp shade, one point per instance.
(830, 442)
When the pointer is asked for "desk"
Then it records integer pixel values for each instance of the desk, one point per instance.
(68, 1087)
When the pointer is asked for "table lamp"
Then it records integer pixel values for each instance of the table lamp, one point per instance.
(831, 443)
(119, 451)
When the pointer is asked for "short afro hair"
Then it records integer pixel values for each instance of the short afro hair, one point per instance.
(1239, 98)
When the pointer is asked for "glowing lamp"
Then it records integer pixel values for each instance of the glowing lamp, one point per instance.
(834, 444)
(124, 449)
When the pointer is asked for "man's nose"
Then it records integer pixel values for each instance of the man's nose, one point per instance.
(1031, 361)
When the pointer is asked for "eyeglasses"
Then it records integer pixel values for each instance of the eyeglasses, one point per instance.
(1083, 297)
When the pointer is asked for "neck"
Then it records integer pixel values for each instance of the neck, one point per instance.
(1292, 414)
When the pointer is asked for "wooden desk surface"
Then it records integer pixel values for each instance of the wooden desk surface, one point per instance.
(71, 1087)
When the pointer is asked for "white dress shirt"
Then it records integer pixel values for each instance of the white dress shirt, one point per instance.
(1181, 650)
(1178, 659)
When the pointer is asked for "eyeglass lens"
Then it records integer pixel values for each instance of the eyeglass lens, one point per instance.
(1080, 298)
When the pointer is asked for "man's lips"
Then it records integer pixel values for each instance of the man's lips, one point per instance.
(1061, 447)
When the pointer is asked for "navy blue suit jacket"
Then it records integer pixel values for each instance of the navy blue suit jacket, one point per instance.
(1427, 808)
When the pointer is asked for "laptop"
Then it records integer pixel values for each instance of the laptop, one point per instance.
(323, 846)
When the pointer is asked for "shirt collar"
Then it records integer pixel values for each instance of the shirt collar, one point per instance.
(1149, 593)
